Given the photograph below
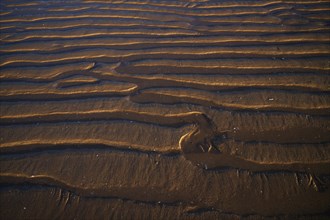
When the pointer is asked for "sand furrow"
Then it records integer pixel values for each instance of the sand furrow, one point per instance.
(138, 42)
(115, 208)
(247, 100)
(66, 73)
(268, 126)
(113, 179)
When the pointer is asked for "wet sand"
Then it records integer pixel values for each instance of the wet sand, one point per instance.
(165, 109)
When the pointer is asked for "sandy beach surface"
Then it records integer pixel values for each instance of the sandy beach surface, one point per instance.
(152, 109)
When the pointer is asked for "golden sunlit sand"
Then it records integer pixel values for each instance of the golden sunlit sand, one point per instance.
(165, 109)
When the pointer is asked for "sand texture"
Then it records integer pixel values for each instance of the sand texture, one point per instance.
(147, 109)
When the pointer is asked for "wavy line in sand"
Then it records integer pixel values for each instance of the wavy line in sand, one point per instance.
(136, 195)
(197, 146)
